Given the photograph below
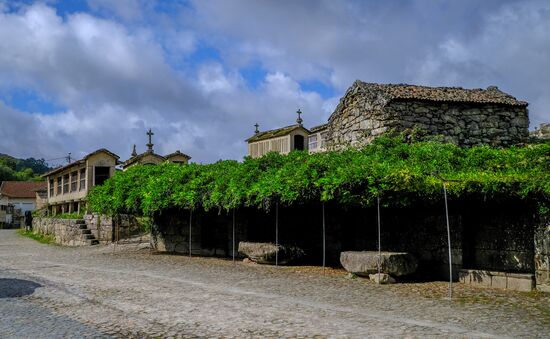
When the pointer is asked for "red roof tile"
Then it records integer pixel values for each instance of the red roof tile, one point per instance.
(21, 189)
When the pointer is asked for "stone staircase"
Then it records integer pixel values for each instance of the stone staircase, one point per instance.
(87, 235)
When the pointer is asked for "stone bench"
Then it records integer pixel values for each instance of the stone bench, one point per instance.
(264, 253)
(364, 263)
(511, 281)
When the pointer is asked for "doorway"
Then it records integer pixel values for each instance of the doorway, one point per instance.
(299, 142)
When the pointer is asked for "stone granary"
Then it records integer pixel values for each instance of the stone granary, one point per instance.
(69, 185)
(463, 116)
(281, 140)
(149, 157)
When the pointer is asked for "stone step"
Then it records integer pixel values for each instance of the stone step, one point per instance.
(80, 221)
(92, 242)
(86, 231)
(82, 226)
(88, 236)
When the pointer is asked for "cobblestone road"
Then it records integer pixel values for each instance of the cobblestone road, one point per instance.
(50, 291)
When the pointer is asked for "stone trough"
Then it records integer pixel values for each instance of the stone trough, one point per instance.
(264, 253)
(364, 263)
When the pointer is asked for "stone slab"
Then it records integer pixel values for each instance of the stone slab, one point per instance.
(269, 253)
(364, 263)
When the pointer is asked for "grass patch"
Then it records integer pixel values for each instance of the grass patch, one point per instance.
(68, 216)
(44, 239)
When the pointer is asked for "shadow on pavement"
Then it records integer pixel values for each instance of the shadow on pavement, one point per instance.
(13, 288)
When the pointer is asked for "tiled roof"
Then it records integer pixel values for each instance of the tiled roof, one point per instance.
(78, 162)
(21, 189)
(491, 95)
(274, 133)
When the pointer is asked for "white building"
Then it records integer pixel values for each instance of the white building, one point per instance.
(18, 195)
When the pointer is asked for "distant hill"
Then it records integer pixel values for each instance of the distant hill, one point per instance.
(21, 169)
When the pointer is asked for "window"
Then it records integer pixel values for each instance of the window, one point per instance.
(65, 183)
(324, 139)
(51, 187)
(82, 179)
(74, 179)
(58, 192)
(101, 174)
(312, 141)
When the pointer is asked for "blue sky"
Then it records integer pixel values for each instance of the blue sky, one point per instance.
(83, 74)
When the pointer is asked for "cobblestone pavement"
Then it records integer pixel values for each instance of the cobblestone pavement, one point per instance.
(103, 291)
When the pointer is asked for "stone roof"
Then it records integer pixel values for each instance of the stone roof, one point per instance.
(491, 95)
(176, 153)
(318, 128)
(275, 133)
(140, 156)
(81, 161)
(21, 189)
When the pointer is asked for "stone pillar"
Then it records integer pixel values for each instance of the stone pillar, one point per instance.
(71, 207)
(542, 255)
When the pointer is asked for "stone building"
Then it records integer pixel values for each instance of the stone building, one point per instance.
(280, 140)
(542, 132)
(69, 185)
(149, 157)
(463, 116)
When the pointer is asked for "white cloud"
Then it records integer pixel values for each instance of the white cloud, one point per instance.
(510, 51)
(131, 68)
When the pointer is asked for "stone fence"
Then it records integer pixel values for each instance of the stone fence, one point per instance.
(93, 228)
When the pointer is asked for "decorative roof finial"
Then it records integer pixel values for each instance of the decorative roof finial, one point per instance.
(150, 144)
(299, 120)
(134, 153)
(257, 130)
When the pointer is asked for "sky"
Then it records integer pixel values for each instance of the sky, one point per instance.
(79, 75)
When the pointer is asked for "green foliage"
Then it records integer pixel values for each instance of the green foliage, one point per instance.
(21, 169)
(68, 216)
(400, 171)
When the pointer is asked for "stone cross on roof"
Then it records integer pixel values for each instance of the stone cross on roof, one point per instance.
(150, 144)
(257, 130)
(299, 120)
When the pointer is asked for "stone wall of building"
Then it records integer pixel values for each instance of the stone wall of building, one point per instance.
(211, 233)
(358, 120)
(495, 236)
(542, 255)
